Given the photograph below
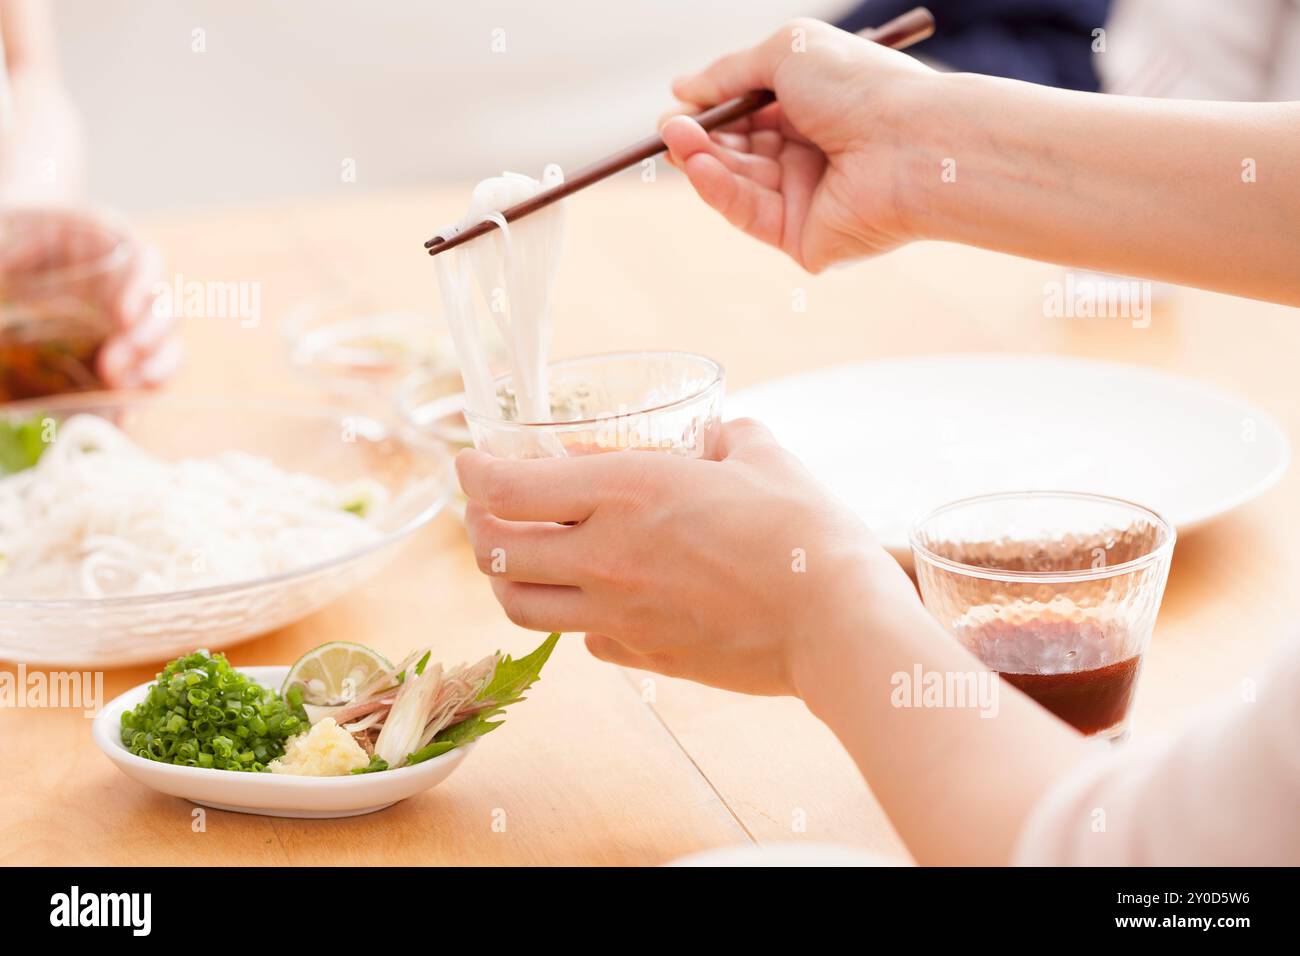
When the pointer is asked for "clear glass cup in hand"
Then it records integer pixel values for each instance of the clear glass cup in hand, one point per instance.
(657, 401)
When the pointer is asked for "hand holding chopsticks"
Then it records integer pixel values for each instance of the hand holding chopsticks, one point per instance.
(899, 33)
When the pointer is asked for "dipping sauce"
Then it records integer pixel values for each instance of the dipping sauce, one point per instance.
(47, 356)
(1090, 701)
(1082, 672)
(59, 278)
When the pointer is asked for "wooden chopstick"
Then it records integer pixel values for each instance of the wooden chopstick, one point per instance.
(899, 33)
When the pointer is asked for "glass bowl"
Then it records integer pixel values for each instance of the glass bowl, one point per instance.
(329, 444)
(350, 345)
(657, 401)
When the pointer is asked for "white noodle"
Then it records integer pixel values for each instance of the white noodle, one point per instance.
(100, 517)
(514, 268)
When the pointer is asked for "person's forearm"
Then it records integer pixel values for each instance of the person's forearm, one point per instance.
(1190, 192)
(40, 149)
(957, 786)
(28, 32)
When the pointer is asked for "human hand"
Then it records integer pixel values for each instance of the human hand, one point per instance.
(726, 572)
(822, 173)
(41, 155)
(51, 255)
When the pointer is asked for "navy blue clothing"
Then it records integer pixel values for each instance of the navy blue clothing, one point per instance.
(1042, 41)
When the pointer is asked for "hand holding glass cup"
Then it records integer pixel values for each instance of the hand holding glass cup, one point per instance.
(77, 292)
(657, 401)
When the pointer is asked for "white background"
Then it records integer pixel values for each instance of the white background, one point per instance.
(408, 88)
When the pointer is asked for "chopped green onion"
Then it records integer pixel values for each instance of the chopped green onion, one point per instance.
(201, 712)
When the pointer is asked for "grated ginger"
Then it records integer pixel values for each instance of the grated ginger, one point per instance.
(326, 750)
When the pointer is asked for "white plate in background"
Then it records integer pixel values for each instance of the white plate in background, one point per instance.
(895, 438)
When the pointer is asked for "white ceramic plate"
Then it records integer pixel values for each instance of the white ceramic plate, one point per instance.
(270, 794)
(899, 437)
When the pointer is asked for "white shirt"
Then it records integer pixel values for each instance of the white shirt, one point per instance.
(1246, 50)
(1225, 791)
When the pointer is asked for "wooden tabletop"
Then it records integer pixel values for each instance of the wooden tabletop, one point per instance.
(603, 765)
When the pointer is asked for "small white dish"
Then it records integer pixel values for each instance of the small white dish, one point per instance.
(269, 794)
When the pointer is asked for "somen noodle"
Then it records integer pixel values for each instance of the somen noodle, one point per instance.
(513, 268)
(98, 516)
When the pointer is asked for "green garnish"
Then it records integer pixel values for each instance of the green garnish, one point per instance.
(376, 764)
(422, 663)
(22, 443)
(509, 681)
(201, 712)
(360, 501)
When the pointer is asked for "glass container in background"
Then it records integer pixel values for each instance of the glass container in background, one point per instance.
(1056, 591)
(58, 275)
(353, 349)
(431, 404)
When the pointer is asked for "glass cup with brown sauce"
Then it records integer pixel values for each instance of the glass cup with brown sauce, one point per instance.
(59, 274)
(1055, 591)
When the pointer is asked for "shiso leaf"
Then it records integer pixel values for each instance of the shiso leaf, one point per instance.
(509, 681)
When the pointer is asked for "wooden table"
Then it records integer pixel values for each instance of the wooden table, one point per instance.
(602, 765)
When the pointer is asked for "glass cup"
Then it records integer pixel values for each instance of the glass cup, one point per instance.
(1056, 591)
(57, 273)
(659, 401)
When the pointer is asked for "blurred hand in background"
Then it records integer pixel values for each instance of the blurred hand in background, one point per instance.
(40, 134)
(78, 285)
(80, 303)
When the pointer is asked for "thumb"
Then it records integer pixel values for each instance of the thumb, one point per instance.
(739, 73)
(743, 436)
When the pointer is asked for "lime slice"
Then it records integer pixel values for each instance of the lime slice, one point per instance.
(335, 673)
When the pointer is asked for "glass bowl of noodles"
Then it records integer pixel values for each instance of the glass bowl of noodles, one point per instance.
(134, 528)
(651, 401)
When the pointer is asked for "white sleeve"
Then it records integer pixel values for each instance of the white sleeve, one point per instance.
(1193, 49)
(1225, 791)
